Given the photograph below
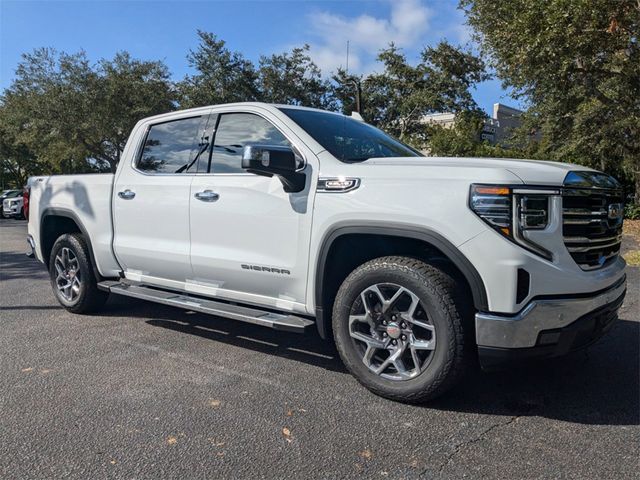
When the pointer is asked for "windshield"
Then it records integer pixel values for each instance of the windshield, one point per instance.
(347, 139)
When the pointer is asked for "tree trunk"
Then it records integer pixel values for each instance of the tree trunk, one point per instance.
(636, 174)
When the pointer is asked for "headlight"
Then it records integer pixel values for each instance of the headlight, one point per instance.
(512, 211)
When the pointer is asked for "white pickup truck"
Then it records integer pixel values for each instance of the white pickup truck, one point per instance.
(291, 217)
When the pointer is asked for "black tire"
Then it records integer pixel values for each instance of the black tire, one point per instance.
(445, 307)
(88, 299)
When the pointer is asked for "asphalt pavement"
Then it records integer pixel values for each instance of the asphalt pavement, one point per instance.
(148, 391)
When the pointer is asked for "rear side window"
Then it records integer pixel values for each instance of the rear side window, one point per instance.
(172, 147)
(234, 132)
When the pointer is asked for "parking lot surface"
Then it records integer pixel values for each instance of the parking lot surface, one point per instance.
(147, 391)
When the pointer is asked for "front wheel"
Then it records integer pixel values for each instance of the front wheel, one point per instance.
(72, 277)
(398, 326)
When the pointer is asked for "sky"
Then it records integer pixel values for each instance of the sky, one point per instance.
(166, 30)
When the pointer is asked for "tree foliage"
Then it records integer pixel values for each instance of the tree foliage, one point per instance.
(126, 91)
(293, 78)
(226, 76)
(398, 98)
(577, 62)
(223, 76)
(63, 115)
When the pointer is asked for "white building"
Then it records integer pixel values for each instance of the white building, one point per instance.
(496, 130)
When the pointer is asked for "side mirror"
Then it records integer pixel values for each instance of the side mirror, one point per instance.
(270, 160)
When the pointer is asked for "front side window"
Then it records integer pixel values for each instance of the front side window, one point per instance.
(171, 147)
(236, 130)
(347, 139)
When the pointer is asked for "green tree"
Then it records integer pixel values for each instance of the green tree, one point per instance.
(46, 105)
(223, 76)
(293, 78)
(463, 139)
(17, 162)
(73, 117)
(126, 91)
(578, 63)
(398, 98)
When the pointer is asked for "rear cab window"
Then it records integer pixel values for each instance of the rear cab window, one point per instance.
(173, 147)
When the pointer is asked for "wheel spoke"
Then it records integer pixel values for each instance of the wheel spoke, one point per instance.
(415, 301)
(415, 358)
(376, 291)
(420, 323)
(366, 318)
(423, 344)
(58, 265)
(370, 341)
(391, 359)
(400, 367)
(75, 284)
(389, 304)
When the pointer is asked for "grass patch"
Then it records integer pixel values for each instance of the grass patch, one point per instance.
(633, 258)
(632, 228)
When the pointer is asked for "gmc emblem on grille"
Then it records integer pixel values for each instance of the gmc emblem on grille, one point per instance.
(615, 211)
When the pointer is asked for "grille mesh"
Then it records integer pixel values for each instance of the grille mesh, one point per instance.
(590, 235)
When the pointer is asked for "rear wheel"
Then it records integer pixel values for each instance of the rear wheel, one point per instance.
(398, 326)
(72, 277)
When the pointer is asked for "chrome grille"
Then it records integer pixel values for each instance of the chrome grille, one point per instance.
(592, 234)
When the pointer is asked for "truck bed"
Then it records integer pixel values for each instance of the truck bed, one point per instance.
(87, 200)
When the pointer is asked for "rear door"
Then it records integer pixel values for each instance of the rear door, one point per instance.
(250, 238)
(151, 201)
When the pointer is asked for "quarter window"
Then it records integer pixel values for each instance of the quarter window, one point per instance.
(234, 132)
(172, 147)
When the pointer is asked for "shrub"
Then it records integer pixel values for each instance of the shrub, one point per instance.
(632, 211)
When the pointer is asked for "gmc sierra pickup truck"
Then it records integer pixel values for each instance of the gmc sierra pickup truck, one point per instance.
(293, 218)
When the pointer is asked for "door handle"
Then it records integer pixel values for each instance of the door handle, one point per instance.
(207, 196)
(127, 194)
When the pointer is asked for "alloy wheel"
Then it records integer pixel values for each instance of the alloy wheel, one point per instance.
(392, 332)
(68, 278)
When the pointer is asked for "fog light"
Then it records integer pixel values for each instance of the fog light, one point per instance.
(549, 338)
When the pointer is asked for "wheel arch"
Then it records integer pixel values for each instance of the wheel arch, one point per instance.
(67, 222)
(392, 232)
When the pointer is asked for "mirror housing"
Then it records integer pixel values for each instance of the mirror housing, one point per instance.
(270, 160)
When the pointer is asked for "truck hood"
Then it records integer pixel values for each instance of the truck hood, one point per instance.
(531, 172)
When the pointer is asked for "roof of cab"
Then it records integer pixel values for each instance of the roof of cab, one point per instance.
(238, 104)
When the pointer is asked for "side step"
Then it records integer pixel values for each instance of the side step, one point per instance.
(277, 321)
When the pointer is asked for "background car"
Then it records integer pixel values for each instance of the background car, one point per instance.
(9, 195)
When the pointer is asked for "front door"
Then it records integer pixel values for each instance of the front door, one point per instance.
(151, 202)
(249, 238)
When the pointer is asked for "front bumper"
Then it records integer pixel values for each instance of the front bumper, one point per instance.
(548, 327)
(11, 211)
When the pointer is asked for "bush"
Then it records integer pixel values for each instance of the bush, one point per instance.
(632, 211)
